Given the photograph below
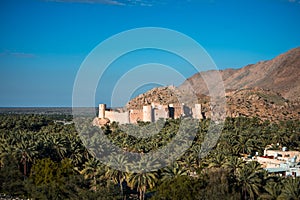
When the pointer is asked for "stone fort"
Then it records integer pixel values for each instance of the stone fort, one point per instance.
(148, 113)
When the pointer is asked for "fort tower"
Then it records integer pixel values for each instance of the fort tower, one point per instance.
(102, 108)
(147, 113)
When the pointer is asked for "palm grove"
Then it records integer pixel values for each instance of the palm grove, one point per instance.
(43, 159)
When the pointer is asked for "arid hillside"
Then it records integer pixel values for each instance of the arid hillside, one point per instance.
(280, 74)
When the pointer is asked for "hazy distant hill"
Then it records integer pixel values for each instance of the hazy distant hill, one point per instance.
(36, 110)
(280, 74)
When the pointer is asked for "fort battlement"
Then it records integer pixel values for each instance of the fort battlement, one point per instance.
(148, 113)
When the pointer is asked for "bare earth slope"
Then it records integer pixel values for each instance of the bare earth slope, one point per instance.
(280, 74)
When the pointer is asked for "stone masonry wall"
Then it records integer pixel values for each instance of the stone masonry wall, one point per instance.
(121, 117)
(135, 116)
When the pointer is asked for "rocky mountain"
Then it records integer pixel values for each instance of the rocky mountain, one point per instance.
(165, 96)
(160, 95)
(261, 103)
(280, 74)
(269, 90)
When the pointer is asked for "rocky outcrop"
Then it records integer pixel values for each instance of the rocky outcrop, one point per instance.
(161, 95)
(264, 104)
(100, 121)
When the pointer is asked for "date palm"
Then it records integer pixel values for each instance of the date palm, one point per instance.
(26, 153)
(243, 145)
(234, 164)
(76, 152)
(217, 160)
(93, 171)
(5, 150)
(117, 172)
(273, 190)
(249, 179)
(291, 189)
(173, 171)
(142, 179)
(58, 144)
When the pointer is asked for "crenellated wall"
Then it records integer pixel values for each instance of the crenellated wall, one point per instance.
(150, 113)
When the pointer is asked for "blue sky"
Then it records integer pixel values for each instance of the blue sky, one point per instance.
(44, 42)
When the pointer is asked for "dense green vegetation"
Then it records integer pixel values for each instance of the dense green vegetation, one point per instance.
(41, 158)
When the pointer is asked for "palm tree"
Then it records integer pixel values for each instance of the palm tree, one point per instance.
(5, 150)
(217, 160)
(173, 171)
(116, 172)
(291, 189)
(234, 164)
(77, 152)
(243, 145)
(189, 162)
(58, 143)
(249, 179)
(93, 171)
(273, 190)
(195, 154)
(26, 153)
(142, 181)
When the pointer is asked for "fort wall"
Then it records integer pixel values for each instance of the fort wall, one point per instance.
(161, 112)
(121, 117)
(149, 113)
(135, 116)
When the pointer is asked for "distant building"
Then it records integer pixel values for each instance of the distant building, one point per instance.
(281, 162)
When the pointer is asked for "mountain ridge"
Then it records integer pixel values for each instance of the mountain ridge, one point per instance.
(280, 74)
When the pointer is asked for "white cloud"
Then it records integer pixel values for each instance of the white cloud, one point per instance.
(294, 1)
(17, 54)
(116, 2)
(109, 2)
(146, 3)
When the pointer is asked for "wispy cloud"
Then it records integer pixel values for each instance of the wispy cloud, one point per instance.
(17, 54)
(109, 2)
(147, 3)
(294, 1)
(114, 2)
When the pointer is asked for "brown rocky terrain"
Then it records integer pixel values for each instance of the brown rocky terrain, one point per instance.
(280, 74)
(264, 104)
(269, 90)
(160, 95)
(165, 96)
